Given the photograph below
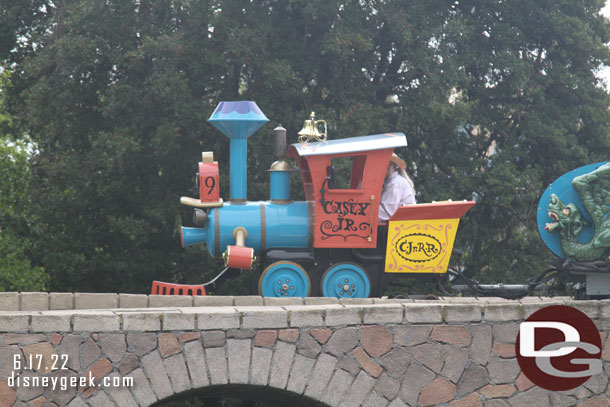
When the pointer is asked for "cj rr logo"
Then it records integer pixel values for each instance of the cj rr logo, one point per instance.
(559, 348)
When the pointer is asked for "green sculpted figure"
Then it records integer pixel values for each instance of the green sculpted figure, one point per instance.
(594, 190)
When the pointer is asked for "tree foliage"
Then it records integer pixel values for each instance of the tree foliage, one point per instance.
(19, 227)
(497, 98)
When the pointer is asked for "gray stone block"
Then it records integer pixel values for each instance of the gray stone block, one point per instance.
(299, 374)
(47, 322)
(396, 361)
(141, 321)
(533, 299)
(604, 308)
(308, 315)
(34, 301)
(213, 339)
(76, 402)
(100, 322)
(455, 362)
(8, 354)
(481, 343)
(61, 301)
(133, 301)
(536, 396)
(90, 352)
(212, 301)
(9, 301)
(462, 313)
(282, 302)
(141, 389)
(239, 351)
(387, 386)
(241, 333)
(590, 308)
(308, 347)
(375, 400)
(248, 301)
(457, 300)
(597, 383)
(503, 312)
(261, 364)
(175, 368)
(22, 338)
(397, 403)
(178, 321)
(415, 379)
(419, 313)
(263, 317)
(505, 332)
(473, 378)
(349, 364)
(155, 371)
(119, 394)
(356, 301)
(217, 318)
(337, 387)
(70, 346)
(100, 399)
(320, 301)
(160, 301)
(409, 335)
(96, 300)
(217, 365)
(14, 322)
(281, 364)
(383, 314)
(359, 390)
(503, 370)
(318, 379)
(342, 341)
(385, 300)
(113, 346)
(28, 392)
(343, 316)
(530, 307)
(561, 400)
(195, 361)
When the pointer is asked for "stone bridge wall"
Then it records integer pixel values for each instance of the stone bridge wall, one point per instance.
(452, 352)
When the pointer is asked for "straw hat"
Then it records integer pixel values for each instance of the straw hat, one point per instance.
(398, 161)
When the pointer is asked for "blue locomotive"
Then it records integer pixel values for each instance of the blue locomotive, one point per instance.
(327, 244)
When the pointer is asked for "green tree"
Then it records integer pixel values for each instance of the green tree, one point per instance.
(19, 227)
(23, 25)
(530, 88)
(17, 223)
(497, 98)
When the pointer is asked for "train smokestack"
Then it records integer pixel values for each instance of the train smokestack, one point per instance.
(238, 121)
(280, 142)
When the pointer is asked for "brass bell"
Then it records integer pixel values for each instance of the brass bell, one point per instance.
(310, 130)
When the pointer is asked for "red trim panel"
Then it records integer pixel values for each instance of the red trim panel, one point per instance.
(437, 210)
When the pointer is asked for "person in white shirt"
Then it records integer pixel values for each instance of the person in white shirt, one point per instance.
(398, 189)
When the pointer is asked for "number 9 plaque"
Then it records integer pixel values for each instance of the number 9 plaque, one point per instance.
(208, 182)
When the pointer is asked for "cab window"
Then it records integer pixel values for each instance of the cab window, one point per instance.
(346, 172)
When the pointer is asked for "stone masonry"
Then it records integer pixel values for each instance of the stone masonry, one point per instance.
(452, 352)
